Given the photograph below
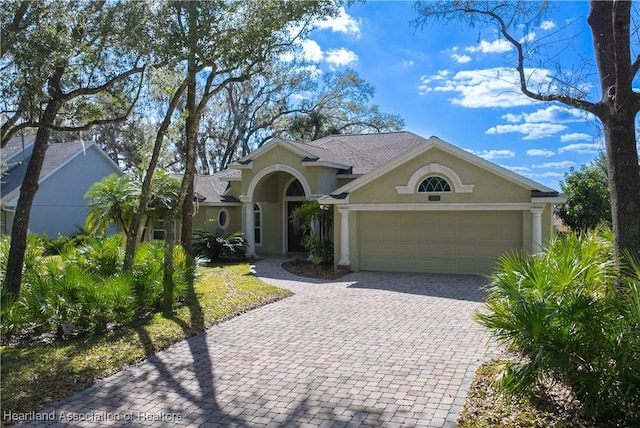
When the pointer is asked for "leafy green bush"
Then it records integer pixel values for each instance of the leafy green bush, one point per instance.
(213, 245)
(104, 257)
(58, 245)
(316, 222)
(147, 277)
(561, 312)
(83, 290)
(320, 250)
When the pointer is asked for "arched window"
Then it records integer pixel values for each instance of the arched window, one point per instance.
(434, 184)
(257, 224)
(295, 189)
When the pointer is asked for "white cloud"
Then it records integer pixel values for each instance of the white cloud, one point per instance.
(549, 175)
(497, 46)
(576, 136)
(407, 63)
(562, 164)
(427, 80)
(512, 118)
(582, 148)
(548, 25)
(529, 37)
(461, 59)
(540, 152)
(531, 131)
(311, 50)
(493, 87)
(493, 154)
(343, 23)
(341, 57)
(555, 114)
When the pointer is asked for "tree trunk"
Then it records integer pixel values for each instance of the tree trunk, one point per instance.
(609, 22)
(137, 222)
(191, 126)
(167, 282)
(13, 276)
(624, 183)
(187, 219)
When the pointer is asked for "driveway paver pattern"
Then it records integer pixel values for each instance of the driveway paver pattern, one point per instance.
(369, 349)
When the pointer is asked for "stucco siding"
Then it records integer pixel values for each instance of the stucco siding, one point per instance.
(272, 229)
(449, 242)
(488, 187)
(207, 219)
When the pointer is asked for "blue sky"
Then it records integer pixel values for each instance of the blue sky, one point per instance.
(458, 84)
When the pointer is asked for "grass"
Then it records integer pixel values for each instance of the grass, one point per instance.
(487, 408)
(35, 376)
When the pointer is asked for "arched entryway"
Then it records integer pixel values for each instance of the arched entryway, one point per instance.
(276, 190)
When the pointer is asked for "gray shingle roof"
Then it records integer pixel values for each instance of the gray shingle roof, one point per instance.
(212, 188)
(14, 146)
(364, 152)
(56, 155)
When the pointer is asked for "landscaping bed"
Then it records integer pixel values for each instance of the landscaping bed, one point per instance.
(308, 269)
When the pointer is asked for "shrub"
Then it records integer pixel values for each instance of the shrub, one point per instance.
(561, 313)
(213, 245)
(83, 290)
(103, 257)
(316, 223)
(320, 250)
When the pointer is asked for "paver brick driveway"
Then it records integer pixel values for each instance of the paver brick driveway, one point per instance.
(371, 349)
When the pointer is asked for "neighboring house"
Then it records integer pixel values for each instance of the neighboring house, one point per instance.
(401, 202)
(68, 170)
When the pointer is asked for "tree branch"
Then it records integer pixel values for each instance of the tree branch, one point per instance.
(97, 89)
(563, 98)
(9, 33)
(87, 125)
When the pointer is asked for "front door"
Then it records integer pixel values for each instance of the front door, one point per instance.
(294, 235)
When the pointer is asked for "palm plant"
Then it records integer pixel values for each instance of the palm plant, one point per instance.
(111, 201)
(212, 246)
(562, 314)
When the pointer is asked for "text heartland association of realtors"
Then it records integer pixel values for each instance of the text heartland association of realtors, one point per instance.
(63, 416)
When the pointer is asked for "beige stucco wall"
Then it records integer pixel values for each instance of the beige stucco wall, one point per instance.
(505, 229)
(206, 218)
(321, 179)
(488, 187)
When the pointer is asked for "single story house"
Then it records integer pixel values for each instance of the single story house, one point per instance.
(68, 170)
(401, 202)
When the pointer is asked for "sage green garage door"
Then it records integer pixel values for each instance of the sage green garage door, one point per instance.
(436, 242)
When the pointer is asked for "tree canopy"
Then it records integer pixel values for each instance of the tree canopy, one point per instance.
(588, 202)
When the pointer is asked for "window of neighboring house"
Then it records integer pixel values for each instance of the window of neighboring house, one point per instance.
(434, 184)
(223, 218)
(257, 224)
(159, 233)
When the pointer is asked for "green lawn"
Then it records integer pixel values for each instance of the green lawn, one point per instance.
(38, 375)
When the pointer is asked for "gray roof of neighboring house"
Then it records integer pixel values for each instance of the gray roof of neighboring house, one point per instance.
(364, 152)
(15, 146)
(56, 155)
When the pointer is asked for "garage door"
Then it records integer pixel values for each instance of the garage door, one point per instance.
(436, 242)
